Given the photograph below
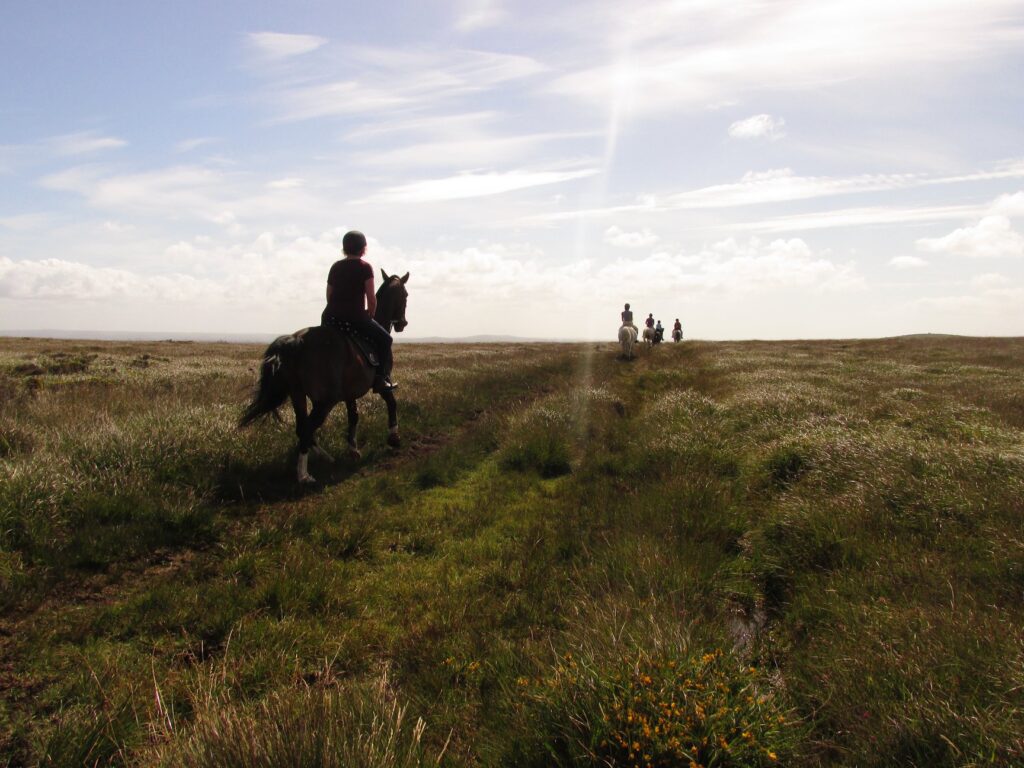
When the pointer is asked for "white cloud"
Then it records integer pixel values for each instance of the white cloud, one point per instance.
(907, 262)
(83, 143)
(50, 279)
(732, 266)
(1011, 205)
(992, 237)
(486, 288)
(475, 185)
(758, 127)
(280, 45)
(619, 237)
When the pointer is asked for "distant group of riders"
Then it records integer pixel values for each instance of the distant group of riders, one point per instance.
(657, 330)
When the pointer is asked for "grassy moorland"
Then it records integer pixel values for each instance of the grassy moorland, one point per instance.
(734, 554)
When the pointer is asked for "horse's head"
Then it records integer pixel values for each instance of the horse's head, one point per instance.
(391, 300)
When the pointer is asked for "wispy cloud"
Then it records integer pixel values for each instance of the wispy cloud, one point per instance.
(479, 14)
(281, 45)
(761, 126)
(783, 185)
(860, 217)
(468, 150)
(187, 145)
(83, 143)
(692, 54)
(475, 185)
(380, 80)
(200, 192)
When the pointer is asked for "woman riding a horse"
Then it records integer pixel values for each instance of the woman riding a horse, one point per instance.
(351, 301)
(325, 365)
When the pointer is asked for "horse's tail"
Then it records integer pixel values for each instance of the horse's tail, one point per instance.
(272, 387)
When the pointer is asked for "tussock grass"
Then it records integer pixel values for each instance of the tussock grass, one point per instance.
(348, 726)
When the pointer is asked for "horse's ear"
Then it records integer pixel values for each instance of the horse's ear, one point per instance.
(384, 274)
(405, 278)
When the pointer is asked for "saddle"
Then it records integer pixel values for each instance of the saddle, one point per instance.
(363, 344)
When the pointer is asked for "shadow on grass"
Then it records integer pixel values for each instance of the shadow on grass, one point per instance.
(275, 480)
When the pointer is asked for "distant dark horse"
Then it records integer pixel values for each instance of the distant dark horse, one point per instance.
(323, 364)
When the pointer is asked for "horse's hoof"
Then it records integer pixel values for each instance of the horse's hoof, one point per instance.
(355, 454)
(394, 440)
(307, 479)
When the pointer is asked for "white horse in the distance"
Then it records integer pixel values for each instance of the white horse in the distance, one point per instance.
(650, 336)
(627, 338)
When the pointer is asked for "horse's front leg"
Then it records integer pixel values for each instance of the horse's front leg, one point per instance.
(393, 439)
(353, 421)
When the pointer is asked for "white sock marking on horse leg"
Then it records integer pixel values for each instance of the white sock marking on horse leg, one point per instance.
(303, 471)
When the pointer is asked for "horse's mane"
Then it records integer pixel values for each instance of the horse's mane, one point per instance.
(390, 281)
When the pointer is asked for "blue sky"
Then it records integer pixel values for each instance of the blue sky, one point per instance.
(808, 168)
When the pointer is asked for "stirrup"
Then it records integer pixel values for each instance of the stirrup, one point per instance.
(384, 384)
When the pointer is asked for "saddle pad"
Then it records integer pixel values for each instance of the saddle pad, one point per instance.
(362, 343)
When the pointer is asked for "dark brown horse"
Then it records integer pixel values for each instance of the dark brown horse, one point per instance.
(324, 365)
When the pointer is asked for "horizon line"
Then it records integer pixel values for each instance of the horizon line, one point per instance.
(59, 334)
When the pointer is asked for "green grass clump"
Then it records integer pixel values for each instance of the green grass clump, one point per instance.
(539, 441)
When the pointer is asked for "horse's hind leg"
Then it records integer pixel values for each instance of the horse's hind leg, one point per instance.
(317, 417)
(305, 435)
(353, 421)
(389, 398)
